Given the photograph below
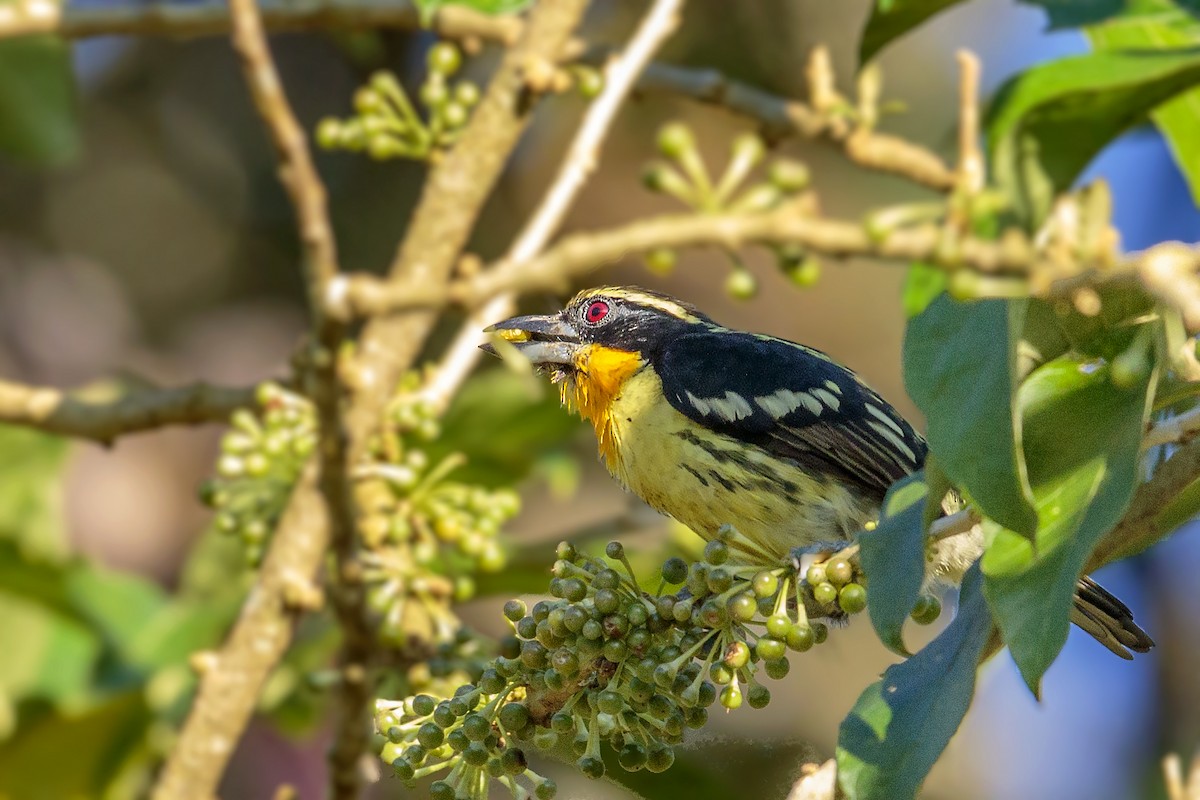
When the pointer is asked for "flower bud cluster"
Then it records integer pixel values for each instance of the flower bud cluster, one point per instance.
(684, 176)
(261, 458)
(386, 123)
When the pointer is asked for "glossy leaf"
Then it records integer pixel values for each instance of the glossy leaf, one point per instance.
(902, 723)
(37, 100)
(922, 285)
(893, 558)
(1162, 25)
(891, 19)
(960, 369)
(1082, 441)
(1047, 123)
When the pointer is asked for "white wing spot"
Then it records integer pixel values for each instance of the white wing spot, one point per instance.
(730, 408)
(783, 402)
(884, 418)
(827, 398)
(700, 405)
(833, 387)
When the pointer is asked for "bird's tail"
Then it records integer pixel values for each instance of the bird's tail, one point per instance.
(1108, 620)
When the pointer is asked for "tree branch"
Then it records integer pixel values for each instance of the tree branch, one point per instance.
(104, 411)
(1010, 258)
(207, 18)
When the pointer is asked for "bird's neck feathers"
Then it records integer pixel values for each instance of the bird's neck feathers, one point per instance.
(590, 389)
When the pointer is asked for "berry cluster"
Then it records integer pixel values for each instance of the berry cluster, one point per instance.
(425, 534)
(259, 463)
(604, 661)
(684, 176)
(386, 123)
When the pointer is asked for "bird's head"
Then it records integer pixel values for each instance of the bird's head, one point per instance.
(610, 325)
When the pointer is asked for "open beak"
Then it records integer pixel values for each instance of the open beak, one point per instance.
(547, 341)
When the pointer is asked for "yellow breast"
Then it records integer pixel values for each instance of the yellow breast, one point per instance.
(700, 477)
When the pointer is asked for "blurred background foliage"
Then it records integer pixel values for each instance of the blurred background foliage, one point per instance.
(143, 232)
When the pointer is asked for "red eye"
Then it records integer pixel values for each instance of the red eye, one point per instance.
(597, 311)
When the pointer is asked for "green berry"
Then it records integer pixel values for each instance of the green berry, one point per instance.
(514, 716)
(423, 705)
(591, 767)
(789, 176)
(741, 284)
(588, 81)
(430, 735)
(777, 670)
(805, 272)
(546, 789)
(720, 673)
(927, 610)
(731, 697)
(758, 695)
(800, 638)
(674, 570)
(466, 93)
(632, 757)
(513, 760)
(820, 632)
(839, 571)
(765, 584)
(514, 610)
(615, 551)
(816, 574)
(770, 649)
(404, 770)
(716, 552)
(661, 260)
(444, 58)
(852, 598)
(778, 625)
(825, 593)
(675, 140)
(660, 758)
(737, 655)
(743, 607)
(440, 790)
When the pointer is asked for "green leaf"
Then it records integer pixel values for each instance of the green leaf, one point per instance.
(93, 753)
(118, 606)
(960, 362)
(902, 723)
(37, 100)
(922, 285)
(29, 486)
(492, 8)
(893, 558)
(1082, 442)
(1047, 123)
(1162, 25)
(891, 19)
(55, 657)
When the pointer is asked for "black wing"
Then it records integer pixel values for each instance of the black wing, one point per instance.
(792, 401)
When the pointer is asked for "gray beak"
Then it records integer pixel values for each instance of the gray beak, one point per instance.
(547, 340)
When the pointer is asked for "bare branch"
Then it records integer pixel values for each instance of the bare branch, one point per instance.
(106, 410)
(206, 18)
(1010, 258)
(970, 159)
(580, 161)
(1177, 429)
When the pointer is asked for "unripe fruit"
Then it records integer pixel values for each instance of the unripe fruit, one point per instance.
(741, 284)
(444, 58)
(852, 598)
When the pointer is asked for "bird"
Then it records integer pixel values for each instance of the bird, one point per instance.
(716, 427)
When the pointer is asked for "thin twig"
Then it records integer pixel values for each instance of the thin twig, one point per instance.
(1177, 429)
(957, 523)
(106, 410)
(620, 75)
(970, 159)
